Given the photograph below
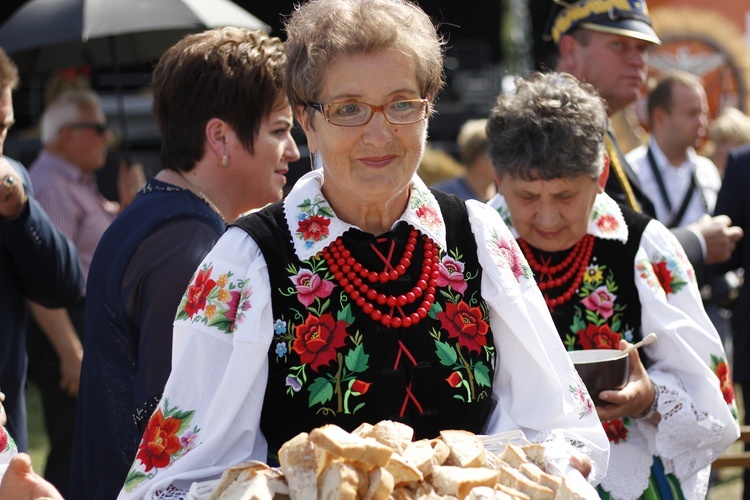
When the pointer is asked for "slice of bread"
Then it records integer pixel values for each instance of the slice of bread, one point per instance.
(402, 471)
(340, 443)
(394, 434)
(536, 474)
(257, 484)
(339, 481)
(459, 481)
(297, 458)
(512, 492)
(466, 449)
(442, 452)
(513, 455)
(362, 428)
(421, 455)
(513, 478)
(487, 493)
(381, 485)
(535, 453)
(231, 474)
(574, 490)
(252, 488)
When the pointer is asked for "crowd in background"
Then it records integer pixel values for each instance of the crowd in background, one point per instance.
(90, 287)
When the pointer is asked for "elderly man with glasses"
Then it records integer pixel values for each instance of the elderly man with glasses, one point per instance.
(75, 137)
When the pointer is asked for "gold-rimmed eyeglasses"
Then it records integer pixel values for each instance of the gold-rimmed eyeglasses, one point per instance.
(354, 113)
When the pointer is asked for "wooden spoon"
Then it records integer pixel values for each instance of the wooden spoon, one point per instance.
(648, 339)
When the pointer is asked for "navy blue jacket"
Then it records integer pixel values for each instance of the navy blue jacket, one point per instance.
(733, 201)
(36, 262)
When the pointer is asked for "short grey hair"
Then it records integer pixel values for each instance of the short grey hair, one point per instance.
(552, 127)
(67, 108)
(321, 31)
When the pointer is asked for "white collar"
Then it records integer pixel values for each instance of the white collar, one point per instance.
(314, 225)
(606, 221)
(663, 163)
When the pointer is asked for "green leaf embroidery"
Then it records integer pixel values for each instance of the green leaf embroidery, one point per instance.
(434, 310)
(356, 361)
(482, 374)
(185, 418)
(221, 322)
(570, 342)
(445, 353)
(346, 315)
(321, 391)
(326, 211)
(134, 479)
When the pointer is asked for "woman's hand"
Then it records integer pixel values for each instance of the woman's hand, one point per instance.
(582, 463)
(633, 399)
(22, 483)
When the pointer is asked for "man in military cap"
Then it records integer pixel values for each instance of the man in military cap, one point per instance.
(606, 43)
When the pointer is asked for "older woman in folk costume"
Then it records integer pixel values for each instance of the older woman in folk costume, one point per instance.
(608, 275)
(362, 296)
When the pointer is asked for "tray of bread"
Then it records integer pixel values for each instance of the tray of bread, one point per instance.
(382, 461)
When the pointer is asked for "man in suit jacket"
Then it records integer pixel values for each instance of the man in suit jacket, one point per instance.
(607, 46)
(733, 202)
(36, 262)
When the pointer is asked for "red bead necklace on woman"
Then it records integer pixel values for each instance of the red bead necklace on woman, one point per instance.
(572, 267)
(352, 277)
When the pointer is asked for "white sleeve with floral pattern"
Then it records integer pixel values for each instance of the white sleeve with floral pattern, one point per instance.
(536, 388)
(209, 416)
(690, 370)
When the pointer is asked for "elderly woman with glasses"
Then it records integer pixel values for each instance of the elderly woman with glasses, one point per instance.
(363, 296)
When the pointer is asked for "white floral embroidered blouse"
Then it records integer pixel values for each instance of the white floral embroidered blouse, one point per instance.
(697, 407)
(209, 416)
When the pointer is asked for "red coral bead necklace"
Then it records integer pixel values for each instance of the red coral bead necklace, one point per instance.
(353, 278)
(572, 267)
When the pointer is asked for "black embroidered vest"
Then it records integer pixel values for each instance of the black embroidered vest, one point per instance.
(331, 363)
(606, 306)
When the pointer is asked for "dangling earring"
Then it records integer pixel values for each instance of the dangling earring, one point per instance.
(312, 161)
(224, 161)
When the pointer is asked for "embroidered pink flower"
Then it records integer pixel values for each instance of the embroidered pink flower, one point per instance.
(188, 440)
(198, 291)
(607, 223)
(583, 399)
(238, 303)
(512, 254)
(309, 286)
(428, 216)
(314, 228)
(452, 273)
(602, 301)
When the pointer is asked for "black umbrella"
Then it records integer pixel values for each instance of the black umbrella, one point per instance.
(45, 35)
